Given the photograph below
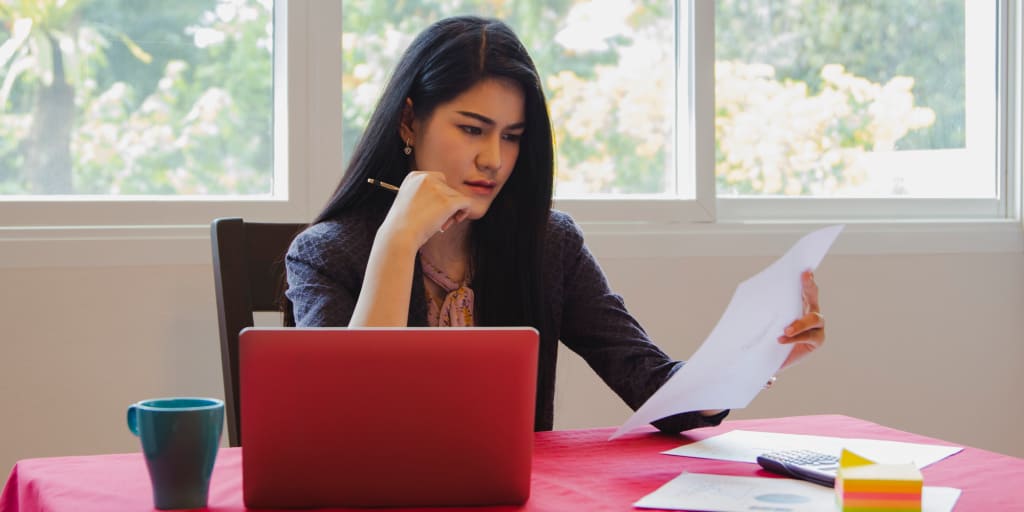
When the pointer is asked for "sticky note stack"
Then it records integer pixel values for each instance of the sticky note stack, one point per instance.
(862, 485)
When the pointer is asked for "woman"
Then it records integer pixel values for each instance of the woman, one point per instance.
(469, 237)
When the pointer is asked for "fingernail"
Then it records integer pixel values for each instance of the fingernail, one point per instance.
(788, 331)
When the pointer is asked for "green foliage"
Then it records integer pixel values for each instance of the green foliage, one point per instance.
(376, 33)
(170, 97)
(874, 39)
(779, 138)
(174, 97)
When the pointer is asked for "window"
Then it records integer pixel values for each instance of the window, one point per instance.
(855, 99)
(890, 108)
(607, 67)
(821, 109)
(127, 112)
(610, 71)
(101, 99)
(816, 110)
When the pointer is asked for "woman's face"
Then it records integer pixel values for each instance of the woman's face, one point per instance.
(473, 140)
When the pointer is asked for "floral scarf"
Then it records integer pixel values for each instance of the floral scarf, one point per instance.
(457, 308)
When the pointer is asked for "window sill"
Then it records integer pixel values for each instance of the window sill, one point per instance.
(36, 247)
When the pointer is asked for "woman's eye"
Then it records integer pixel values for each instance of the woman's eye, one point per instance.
(472, 130)
(513, 137)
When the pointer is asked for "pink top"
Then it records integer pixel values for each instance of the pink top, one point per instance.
(457, 308)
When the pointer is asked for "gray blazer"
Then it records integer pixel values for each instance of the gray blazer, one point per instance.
(326, 263)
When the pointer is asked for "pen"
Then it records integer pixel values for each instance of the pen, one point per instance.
(382, 184)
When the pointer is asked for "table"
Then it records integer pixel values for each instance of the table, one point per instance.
(572, 470)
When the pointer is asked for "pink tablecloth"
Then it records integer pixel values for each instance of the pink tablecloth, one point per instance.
(572, 470)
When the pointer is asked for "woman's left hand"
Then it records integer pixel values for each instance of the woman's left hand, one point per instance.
(806, 333)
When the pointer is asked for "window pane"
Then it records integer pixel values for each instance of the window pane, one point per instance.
(136, 97)
(866, 98)
(607, 68)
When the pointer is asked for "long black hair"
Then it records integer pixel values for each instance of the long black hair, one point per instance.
(445, 60)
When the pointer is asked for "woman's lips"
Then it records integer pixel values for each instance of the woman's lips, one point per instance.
(482, 187)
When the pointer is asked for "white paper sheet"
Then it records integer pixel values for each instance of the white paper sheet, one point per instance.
(720, 493)
(742, 352)
(745, 446)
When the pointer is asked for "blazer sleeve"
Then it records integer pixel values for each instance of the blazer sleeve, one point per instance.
(324, 268)
(596, 325)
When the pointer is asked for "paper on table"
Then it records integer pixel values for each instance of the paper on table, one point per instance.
(745, 446)
(720, 493)
(742, 352)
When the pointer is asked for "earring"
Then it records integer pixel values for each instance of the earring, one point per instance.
(408, 148)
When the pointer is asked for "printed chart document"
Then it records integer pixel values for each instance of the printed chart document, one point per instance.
(742, 352)
(721, 493)
(745, 446)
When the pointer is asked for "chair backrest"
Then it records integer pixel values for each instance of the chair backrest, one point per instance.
(248, 271)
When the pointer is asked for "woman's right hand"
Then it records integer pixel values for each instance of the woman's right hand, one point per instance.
(425, 205)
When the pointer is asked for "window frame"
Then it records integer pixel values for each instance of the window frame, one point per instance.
(695, 153)
(302, 91)
(708, 207)
(1007, 176)
(50, 233)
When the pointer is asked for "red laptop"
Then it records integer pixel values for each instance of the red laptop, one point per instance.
(387, 417)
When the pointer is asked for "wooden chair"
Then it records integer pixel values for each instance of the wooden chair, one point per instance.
(248, 270)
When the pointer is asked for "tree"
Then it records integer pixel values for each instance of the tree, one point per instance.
(778, 138)
(873, 39)
(37, 31)
(157, 97)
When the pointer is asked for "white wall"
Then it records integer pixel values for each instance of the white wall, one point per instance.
(925, 343)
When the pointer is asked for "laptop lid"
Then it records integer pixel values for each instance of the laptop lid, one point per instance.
(387, 416)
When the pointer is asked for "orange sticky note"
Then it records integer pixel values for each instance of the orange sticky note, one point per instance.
(863, 485)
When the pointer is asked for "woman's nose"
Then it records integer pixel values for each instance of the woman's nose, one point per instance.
(489, 156)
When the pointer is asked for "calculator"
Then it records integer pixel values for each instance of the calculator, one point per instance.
(812, 466)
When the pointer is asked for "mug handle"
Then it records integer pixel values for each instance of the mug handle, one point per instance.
(133, 422)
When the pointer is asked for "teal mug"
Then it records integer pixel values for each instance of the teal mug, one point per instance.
(180, 437)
